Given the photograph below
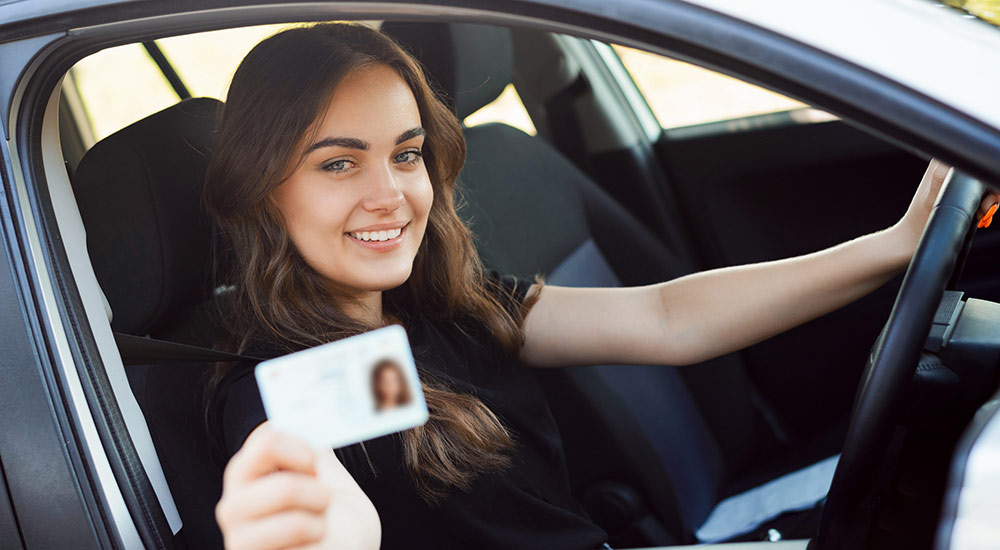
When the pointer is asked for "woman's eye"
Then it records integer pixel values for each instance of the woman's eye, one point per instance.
(409, 157)
(338, 166)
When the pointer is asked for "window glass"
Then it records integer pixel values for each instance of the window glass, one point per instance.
(206, 61)
(682, 94)
(118, 86)
(506, 108)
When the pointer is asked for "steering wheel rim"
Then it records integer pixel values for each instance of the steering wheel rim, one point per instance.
(846, 515)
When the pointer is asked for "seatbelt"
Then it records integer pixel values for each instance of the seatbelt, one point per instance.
(139, 350)
(564, 124)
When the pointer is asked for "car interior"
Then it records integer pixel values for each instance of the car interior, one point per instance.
(658, 455)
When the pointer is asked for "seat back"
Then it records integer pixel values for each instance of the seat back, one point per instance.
(139, 194)
(674, 436)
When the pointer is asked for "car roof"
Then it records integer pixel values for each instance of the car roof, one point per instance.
(940, 51)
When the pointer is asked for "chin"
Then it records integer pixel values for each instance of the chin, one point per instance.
(376, 280)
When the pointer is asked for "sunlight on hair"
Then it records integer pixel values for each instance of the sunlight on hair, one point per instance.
(508, 109)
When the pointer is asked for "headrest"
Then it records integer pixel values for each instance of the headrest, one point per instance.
(471, 63)
(139, 192)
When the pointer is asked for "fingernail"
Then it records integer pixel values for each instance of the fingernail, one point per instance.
(987, 219)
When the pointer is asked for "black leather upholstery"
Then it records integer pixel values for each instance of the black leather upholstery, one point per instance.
(544, 216)
(139, 192)
(472, 63)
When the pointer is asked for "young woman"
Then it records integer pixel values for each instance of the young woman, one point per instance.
(389, 385)
(333, 185)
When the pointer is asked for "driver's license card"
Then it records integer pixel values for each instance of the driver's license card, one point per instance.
(346, 391)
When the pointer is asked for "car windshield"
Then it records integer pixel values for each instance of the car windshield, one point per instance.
(987, 10)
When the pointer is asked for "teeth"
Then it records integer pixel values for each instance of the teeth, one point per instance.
(377, 235)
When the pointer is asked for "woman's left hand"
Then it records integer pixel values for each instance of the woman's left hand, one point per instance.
(911, 226)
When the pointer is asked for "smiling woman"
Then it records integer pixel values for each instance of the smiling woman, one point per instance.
(357, 203)
(368, 149)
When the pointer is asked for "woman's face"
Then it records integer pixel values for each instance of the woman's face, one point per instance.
(357, 205)
(389, 387)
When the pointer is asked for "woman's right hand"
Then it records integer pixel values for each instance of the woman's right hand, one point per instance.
(279, 493)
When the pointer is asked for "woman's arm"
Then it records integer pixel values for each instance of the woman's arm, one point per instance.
(709, 314)
(279, 493)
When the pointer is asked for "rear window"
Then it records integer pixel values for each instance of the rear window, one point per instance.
(121, 85)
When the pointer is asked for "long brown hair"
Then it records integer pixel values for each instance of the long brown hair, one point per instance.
(273, 105)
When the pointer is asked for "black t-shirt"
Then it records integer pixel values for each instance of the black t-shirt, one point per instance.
(528, 505)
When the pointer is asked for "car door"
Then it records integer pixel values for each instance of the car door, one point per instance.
(71, 470)
(47, 475)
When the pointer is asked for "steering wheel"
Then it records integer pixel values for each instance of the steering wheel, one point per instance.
(893, 362)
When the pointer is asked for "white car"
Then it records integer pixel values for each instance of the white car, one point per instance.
(813, 438)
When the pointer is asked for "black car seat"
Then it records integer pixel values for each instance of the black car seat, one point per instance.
(641, 441)
(139, 194)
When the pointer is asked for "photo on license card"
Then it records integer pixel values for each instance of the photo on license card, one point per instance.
(346, 391)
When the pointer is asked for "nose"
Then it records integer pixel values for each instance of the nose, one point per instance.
(384, 193)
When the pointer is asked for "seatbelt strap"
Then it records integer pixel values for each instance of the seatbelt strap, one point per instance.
(564, 124)
(139, 350)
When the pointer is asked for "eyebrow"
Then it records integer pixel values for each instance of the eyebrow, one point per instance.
(355, 143)
(410, 134)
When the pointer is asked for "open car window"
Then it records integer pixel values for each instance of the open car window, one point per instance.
(681, 94)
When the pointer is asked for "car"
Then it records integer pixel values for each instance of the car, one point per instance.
(813, 438)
